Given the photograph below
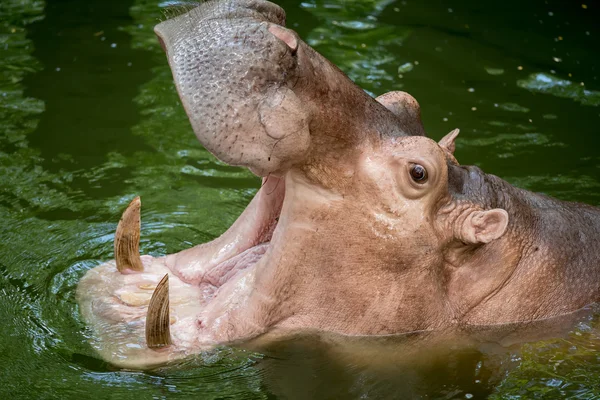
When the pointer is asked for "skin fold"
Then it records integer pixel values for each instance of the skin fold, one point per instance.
(362, 227)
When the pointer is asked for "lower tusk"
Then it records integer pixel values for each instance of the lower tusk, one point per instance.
(127, 239)
(158, 333)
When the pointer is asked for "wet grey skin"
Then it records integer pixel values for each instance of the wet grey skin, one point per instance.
(258, 96)
(362, 226)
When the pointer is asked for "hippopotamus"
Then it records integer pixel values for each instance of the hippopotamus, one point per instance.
(362, 226)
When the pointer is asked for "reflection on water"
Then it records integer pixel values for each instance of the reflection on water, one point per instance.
(308, 368)
(549, 84)
(90, 118)
(435, 364)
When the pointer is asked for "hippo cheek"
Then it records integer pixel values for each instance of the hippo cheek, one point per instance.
(231, 72)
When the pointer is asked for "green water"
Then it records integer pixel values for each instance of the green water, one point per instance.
(89, 118)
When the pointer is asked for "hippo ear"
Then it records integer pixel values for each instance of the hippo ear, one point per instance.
(447, 142)
(406, 109)
(484, 226)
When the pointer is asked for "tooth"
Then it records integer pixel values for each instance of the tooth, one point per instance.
(127, 238)
(147, 286)
(158, 333)
(135, 299)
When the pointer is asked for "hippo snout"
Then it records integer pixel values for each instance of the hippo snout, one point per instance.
(233, 64)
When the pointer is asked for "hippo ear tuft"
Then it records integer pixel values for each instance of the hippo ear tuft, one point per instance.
(484, 226)
(447, 142)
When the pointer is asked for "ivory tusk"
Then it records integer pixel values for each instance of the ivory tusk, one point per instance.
(158, 333)
(127, 238)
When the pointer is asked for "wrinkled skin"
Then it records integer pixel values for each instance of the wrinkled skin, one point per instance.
(345, 235)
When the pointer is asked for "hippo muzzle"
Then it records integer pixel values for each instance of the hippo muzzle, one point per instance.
(233, 76)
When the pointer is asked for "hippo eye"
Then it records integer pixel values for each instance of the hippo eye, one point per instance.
(418, 173)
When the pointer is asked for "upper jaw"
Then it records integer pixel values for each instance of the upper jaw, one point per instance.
(233, 68)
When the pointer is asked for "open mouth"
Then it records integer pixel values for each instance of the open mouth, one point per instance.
(244, 244)
(204, 280)
(251, 234)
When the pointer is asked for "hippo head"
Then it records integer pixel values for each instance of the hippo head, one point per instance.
(346, 233)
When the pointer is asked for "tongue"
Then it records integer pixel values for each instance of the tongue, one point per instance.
(227, 269)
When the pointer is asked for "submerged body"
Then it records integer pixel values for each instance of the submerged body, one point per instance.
(362, 226)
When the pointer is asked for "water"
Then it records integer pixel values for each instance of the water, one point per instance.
(90, 118)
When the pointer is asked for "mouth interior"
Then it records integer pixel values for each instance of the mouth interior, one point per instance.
(250, 237)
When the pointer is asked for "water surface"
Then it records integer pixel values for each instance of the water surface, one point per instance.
(89, 118)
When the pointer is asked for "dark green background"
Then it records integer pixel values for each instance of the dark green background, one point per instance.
(89, 118)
